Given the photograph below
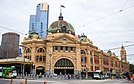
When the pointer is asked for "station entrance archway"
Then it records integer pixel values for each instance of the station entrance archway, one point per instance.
(64, 66)
(40, 70)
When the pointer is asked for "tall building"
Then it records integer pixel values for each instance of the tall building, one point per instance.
(9, 45)
(39, 22)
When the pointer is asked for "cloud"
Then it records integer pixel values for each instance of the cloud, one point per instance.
(104, 32)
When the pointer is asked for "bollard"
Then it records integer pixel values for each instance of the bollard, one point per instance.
(45, 82)
(21, 82)
(11, 81)
(25, 81)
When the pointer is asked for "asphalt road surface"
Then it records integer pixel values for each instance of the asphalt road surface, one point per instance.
(60, 81)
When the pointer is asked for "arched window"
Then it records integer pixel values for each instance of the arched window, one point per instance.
(40, 50)
(28, 50)
(64, 63)
(83, 52)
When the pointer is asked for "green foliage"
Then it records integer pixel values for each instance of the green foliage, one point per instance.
(131, 68)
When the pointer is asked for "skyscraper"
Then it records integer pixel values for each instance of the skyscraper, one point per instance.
(10, 45)
(39, 22)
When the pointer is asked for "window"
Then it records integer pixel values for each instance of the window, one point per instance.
(116, 64)
(37, 57)
(28, 50)
(66, 48)
(83, 59)
(91, 68)
(64, 63)
(56, 47)
(91, 60)
(96, 59)
(106, 69)
(122, 66)
(61, 48)
(96, 68)
(83, 52)
(40, 50)
(105, 61)
(28, 57)
(91, 53)
(111, 63)
(43, 59)
(71, 48)
(40, 58)
(25, 56)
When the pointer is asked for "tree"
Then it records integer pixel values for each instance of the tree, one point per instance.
(131, 68)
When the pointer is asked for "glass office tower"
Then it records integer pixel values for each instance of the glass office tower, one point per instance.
(39, 22)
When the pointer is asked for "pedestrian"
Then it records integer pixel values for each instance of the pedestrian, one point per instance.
(68, 76)
(111, 70)
(132, 77)
(128, 76)
(40, 75)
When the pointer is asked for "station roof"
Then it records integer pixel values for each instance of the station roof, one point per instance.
(19, 60)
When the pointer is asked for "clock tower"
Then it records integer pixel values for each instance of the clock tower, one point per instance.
(123, 54)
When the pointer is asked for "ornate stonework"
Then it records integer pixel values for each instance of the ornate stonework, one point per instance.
(64, 52)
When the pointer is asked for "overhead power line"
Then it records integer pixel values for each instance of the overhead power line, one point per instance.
(119, 47)
(125, 3)
(130, 55)
(106, 16)
(112, 19)
(131, 59)
(12, 30)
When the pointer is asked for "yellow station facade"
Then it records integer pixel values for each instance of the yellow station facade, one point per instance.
(64, 52)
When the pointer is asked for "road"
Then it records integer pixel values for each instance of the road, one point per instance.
(60, 81)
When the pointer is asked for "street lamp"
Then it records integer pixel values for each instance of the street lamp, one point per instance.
(50, 71)
(86, 69)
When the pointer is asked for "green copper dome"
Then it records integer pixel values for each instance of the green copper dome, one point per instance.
(61, 26)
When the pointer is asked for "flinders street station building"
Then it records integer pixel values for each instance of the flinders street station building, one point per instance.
(64, 52)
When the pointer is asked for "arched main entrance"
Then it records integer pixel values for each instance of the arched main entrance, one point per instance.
(64, 66)
(40, 70)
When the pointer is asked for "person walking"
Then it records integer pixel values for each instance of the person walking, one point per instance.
(111, 70)
(128, 76)
(132, 78)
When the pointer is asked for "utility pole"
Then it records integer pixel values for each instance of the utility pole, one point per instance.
(50, 69)
(23, 70)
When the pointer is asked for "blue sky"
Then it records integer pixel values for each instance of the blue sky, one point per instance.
(108, 23)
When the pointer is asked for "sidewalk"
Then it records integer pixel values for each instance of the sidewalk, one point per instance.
(29, 78)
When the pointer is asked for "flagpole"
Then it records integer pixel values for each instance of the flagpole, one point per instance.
(61, 17)
(60, 11)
